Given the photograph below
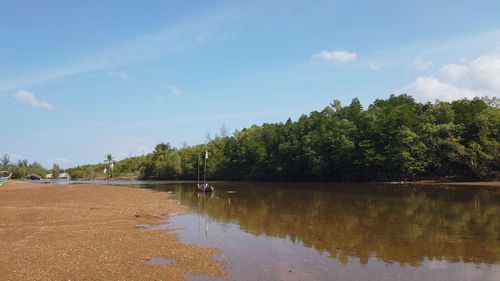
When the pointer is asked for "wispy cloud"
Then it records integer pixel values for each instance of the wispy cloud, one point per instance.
(175, 38)
(31, 99)
(377, 65)
(420, 64)
(341, 56)
(174, 90)
(121, 75)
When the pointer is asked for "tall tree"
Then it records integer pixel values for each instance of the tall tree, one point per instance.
(5, 162)
(56, 170)
(393, 139)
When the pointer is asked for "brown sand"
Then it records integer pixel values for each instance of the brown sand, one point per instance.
(489, 184)
(90, 232)
(477, 183)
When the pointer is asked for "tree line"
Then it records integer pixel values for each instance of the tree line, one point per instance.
(23, 168)
(393, 139)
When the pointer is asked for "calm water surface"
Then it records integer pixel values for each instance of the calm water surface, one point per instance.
(298, 231)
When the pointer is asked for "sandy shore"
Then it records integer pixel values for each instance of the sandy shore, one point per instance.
(482, 184)
(489, 184)
(90, 232)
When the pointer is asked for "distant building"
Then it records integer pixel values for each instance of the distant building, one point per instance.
(64, 176)
(48, 176)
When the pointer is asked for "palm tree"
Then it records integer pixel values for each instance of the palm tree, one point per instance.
(109, 159)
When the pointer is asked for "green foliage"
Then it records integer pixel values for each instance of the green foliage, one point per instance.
(394, 139)
(56, 170)
(163, 163)
(5, 162)
(23, 168)
(87, 171)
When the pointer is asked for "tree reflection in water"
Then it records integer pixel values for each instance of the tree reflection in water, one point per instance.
(393, 223)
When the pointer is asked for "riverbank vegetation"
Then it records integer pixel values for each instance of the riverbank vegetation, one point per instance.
(22, 168)
(393, 139)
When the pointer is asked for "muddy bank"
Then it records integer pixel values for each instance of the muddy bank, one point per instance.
(488, 184)
(91, 232)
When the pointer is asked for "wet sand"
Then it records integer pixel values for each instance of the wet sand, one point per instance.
(477, 183)
(91, 232)
(489, 184)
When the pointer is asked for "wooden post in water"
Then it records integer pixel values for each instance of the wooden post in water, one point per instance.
(205, 173)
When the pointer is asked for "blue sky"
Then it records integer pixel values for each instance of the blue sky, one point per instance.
(82, 79)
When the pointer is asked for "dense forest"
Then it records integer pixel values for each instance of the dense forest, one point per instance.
(393, 139)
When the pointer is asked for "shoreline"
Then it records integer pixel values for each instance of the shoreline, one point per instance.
(93, 232)
(486, 184)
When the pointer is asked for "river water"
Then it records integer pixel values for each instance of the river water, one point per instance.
(302, 231)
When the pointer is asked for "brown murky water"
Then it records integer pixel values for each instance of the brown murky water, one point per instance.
(298, 231)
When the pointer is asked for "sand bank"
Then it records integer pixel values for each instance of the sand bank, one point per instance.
(488, 184)
(90, 232)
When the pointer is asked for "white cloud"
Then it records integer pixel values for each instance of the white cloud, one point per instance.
(429, 89)
(174, 90)
(121, 75)
(454, 72)
(485, 72)
(29, 98)
(339, 56)
(480, 77)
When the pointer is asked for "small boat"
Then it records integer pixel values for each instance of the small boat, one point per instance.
(4, 179)
(33, 177)
(203, 187)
